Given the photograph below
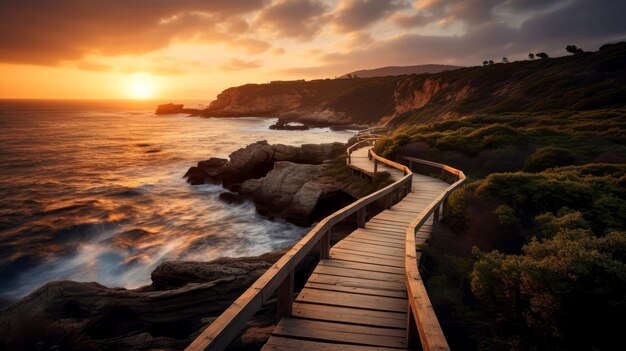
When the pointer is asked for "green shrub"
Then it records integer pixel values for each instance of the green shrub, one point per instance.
(549, 157)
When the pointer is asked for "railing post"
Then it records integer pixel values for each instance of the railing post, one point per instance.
(412, 335)
(361, 217)
(436, 215)
(285, 296)
(444, 207)
(325, 245)
(375, 165)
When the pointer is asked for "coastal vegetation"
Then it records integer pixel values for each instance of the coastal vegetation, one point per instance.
(532, 253)
(581, 82)
(533, 260)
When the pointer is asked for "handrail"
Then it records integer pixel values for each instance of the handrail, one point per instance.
(355, 146)
(389, 163)
(219, 334)
(421, 313)
(451, 170)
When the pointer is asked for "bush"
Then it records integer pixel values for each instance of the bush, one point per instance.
(562, 293)
(548, 157)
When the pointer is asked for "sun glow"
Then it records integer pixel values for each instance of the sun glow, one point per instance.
(141, 87)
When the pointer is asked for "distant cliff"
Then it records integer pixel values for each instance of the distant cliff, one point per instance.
(399, 71)
(577, 82)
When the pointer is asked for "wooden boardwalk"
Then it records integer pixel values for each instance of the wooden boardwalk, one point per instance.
(357, 298)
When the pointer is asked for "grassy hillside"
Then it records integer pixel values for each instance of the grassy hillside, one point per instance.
(399, 70)
(570, 83)
(532, 253)
(486, 143)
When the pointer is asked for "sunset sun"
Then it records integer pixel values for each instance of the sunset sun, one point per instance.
(141, 88)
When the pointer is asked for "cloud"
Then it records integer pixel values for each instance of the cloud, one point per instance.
(586, 23)
(278, 51)
(355, 15)
(47, 32)
(299, 19)
(250, 45)
(93, 66)
(235, 64)
(155, 70)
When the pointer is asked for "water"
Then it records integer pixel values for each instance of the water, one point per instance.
(93, 191)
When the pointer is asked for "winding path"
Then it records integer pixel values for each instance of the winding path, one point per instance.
(366, 292)
(358, 297)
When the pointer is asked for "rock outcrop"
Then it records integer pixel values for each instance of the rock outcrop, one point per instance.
(256, 160)
(283, 181)
(167, 315)
(172, 109)
(289, 191)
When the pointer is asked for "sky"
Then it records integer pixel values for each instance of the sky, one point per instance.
(193, 49)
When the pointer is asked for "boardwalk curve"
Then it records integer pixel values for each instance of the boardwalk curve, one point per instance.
(365, 292)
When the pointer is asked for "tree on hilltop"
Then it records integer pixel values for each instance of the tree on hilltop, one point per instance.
(531, 56)
(542, 55)
(573, 49)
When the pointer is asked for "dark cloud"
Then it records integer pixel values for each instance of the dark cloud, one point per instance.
(359, 14)
(529, 5)
(235, 64)
(418, 19)
(586, 23)
(470, 12)
(46, 32)
(299, 19)
(76, 32)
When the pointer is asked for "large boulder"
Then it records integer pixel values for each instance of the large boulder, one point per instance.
(253, 161)
(256, 160)
(290, 190)
(231, 198)
(169, 109)
(165, 316)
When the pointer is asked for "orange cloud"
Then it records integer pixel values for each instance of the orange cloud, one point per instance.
(237, 65)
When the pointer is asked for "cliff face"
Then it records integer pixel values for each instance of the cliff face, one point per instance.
(578, 82)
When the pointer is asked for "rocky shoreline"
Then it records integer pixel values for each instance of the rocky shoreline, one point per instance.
(184, 297)
(283, 181)
(284, 123)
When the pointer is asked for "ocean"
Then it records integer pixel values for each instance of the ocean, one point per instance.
(93, 191)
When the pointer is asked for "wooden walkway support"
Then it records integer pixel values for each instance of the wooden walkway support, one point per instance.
(366, 292)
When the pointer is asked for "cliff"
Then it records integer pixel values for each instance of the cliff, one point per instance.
(577, 82)
(399, 71)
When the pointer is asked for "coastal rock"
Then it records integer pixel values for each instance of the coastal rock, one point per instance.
(304, 202)
(213, 165)
(256, 160)
(289, 190)
(195, 176)
(253, 161)
(166, 315)
(232, 198)
(169, 109)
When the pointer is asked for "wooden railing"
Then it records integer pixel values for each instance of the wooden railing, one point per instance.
(423, 324)
(280, 277)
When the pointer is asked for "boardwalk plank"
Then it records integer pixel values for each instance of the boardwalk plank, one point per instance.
(356, 300)
(356, 282)
(337, 332)
(276, 343)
